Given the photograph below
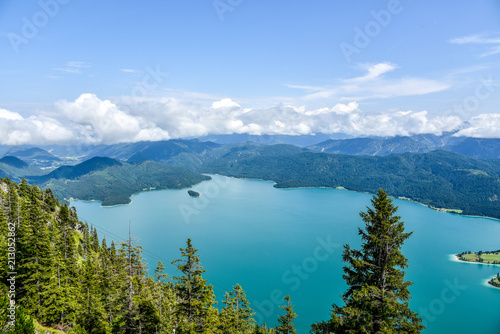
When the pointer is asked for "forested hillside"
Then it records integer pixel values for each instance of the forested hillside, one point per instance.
(113, 182)
(440, 179)
(67, 278)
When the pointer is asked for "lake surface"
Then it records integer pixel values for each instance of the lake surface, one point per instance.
(277, 242)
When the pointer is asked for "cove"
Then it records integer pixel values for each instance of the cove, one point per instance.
(277, 242)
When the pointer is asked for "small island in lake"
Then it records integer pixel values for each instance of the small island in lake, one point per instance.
(193, 193)
(495, 281)
(484, 258)
(480, 257)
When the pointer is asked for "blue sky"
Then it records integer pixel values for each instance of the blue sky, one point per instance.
(113, 71)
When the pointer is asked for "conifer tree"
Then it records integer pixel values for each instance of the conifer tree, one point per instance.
(236, 316)
(36, 262)
(377, 298)
(23, 324)
(93, 313)
(62, 300)
(194, 309)
(4, 235)
(164, 295)
(262, 329)
(286, 321)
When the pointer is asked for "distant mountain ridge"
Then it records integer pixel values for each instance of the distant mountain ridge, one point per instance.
(474, 147)
(296, 140)
(13, 162)
(34, 156)
(166, 151)
(371, 146)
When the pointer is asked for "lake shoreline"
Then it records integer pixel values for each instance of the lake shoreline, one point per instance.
(134, 194)
(450, 211)
(487, 283)
(455, 258)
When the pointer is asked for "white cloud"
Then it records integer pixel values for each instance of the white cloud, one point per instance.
(374, 71)
(89, 119)
(74, 67)
(77, 64)
(492, 42)
(482, 126)
(225, 103)
(101, 121)
(373, 85)
(16, 130)
(476, 39)
(339, 108)
(9, 115)
(129, 70)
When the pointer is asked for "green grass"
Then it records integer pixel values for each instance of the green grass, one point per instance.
(458, 211)
(476, 172)
(491, 257)
(487, 257)
(470, 257)
(44, 329)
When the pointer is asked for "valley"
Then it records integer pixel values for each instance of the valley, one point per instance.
(443, 180)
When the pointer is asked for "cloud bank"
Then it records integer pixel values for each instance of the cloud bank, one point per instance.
(92, 120)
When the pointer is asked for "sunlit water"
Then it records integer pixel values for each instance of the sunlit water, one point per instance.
(277, 242)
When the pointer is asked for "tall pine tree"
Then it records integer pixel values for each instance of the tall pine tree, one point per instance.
(194, 309)
(286, 321)
(236, 316)
(377, 298)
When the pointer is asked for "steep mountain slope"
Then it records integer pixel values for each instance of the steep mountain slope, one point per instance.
(16, 169)
(113, 182)
(477, 147)
(473, 147)
(371, 146)
(156, 151)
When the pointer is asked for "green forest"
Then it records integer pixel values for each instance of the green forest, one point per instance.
(57, 273)
(439, 179)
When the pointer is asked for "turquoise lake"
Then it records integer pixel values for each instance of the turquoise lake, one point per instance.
(277, 242)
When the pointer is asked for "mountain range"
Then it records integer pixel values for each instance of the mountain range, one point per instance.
(463, 174)
(473, 147)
